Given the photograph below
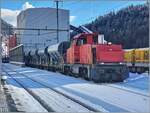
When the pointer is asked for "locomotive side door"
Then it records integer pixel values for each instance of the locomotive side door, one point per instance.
(94, 54)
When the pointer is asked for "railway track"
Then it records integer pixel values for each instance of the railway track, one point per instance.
(116, 103)
(36, 97)
(127, 90)
(42, 102)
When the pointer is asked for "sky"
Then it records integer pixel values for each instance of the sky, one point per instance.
(81, 11)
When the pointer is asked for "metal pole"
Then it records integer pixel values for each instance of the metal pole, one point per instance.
(0, 59)
(0, 52)
(57, 2)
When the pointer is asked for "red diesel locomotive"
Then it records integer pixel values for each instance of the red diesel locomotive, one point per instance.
(98, 62)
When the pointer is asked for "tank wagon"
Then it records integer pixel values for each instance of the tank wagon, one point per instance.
(84, 57)
(137, 59)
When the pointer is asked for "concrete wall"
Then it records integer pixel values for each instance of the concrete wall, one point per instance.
(41, 18)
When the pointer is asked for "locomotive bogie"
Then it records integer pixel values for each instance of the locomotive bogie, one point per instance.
(109, 73)
(98, 72)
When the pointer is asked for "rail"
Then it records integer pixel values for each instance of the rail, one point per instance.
(46, 86)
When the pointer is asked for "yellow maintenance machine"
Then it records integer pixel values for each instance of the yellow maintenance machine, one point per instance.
(137, 59)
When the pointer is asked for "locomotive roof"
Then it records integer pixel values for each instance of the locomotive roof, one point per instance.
(83, 34)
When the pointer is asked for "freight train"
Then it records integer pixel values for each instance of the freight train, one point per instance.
(87, 56)
(84, 57)
(137, 59)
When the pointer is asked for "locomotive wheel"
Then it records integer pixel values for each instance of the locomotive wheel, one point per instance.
(139, 70)
(85, 73)
(53, 69)
(133, 69)
(67, 70)
(80, 72)
(96, 81)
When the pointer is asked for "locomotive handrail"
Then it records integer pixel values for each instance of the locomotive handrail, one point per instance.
(16, 47)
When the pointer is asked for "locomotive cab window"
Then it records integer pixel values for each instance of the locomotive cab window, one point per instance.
(81, 41)
(95, 39)
(73, 42)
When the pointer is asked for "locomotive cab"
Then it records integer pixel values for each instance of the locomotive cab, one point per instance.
(85, 38)
(96, 61)
(86, 49)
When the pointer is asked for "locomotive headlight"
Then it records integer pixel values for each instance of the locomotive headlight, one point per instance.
(109, 43)
(102, 62)
(120, 63)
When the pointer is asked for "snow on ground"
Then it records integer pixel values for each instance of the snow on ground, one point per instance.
(99, 96)
(138, 81)
(23, 100)
(55, 101)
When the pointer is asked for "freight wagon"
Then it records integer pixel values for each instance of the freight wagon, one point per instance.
(137, 59)
(84, 57)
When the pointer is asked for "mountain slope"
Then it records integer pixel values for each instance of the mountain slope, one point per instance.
(129, 26)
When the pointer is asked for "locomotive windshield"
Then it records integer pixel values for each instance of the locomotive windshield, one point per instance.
(95, 39)
(81, 41)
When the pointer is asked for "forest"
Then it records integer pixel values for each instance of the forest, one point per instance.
(128, 26)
